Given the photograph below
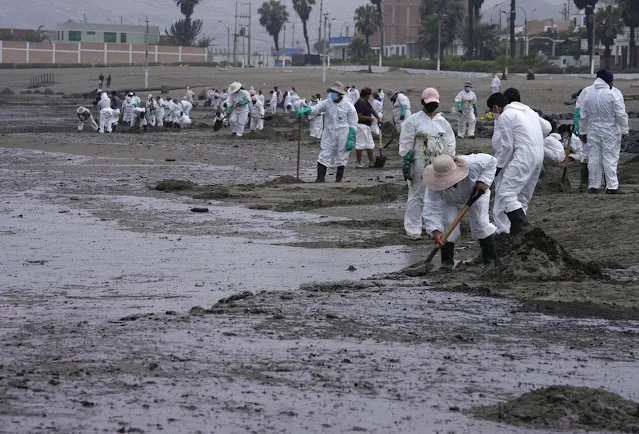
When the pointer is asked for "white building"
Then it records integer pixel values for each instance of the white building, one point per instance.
(104, 33)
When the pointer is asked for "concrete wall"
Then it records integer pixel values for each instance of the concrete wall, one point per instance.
(96, 53)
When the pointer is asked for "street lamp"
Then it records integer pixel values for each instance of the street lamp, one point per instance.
(592, 48)
(525, 31)
(507, 36)
(146, 55)
(491, 14)
(532, 18)
(228, 43)
(439, 42)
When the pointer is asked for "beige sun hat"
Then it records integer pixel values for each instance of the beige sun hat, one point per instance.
(469, 84)
(445, 172)
(81, 109)
(235, 87)
(338, 87)
(391, 93)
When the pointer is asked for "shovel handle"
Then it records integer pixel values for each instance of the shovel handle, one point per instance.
(567, 157)
(471, 200)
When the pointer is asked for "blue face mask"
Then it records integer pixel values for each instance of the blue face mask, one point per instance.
(334, 96)
(467, 89)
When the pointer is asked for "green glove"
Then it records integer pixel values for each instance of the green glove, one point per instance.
(575, 119)
(543, 172)
(403, 115)
(475, 109)
(407, 168)
(228, 110)
(350, 143)
(459, 106)
(304, 111)
(243, 102)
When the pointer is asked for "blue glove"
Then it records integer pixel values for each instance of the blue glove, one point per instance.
(403, 115)
(304, 111)
(350, 143)
(576, 118)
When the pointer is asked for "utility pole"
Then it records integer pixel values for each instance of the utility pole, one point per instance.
(381, 31)
(146, 55)
(324, 49)
(249, 34)
(293, 38)
(439, 44)
(319, 37)
(283, 51)
(235, 36)
(330, 24)
(228, 43)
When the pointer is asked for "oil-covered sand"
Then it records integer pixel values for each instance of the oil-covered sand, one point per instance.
(282, 308)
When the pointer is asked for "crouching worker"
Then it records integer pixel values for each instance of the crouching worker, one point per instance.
(139, 119)
(450, 182)
(84, 114)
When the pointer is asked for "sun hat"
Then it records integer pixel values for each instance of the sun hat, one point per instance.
(468, 84)
(150, 96)
(314, 98)
(81, 109)
(235, 87)
(338, 87)
(392, 93)
(430, 95)
(445, 172)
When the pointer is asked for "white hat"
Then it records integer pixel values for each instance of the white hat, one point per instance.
(81, 109)
(338, 87)
(150, 96)
(235, 87)
(445, 172)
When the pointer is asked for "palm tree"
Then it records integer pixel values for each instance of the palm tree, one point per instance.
(486, 40)
(366, 21)
(452, 13)
(474, 6)
(380, 12)
(609, 25)
(38, 35)
(273, 16)
(303, 9)
(187, 7)
(630, 10)
(589, 6)
(513, 42)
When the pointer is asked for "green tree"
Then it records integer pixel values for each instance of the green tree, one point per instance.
(503, 62)
(38, 35)
(630, 9)
(273, 16)
(359, 50)
(366, 21)
(609, 25)
(513, 41)
(589, 6)
(474, 7)
(486, 39)
(452, 16)
(184, 32)
(303, 9)
(187, 7)
(204, 41)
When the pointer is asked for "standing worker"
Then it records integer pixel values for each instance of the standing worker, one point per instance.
(401, 108)
(425, 135)
(159, 111)
(101, 81)
(366, 117)
(105, 113)
(378, 105)
(238, 110)
(317, 121)
(466, 101)
(495, 84)
(603, 125)
(340, 131)
(256, 110)
(189, 95)
(273, 104)
(151, 110)
(108, 83)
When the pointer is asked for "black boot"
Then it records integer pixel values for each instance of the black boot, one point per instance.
(518, 223)
(583, 183)
(489, 252)
(340, 173)
(448, 256)
(321, 173)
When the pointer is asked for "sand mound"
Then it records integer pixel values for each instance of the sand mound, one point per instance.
(566, 408)
(539, 257)
(47, 92)
(386, 192)
(283, 180)
(175, 185)
(6, 91)
(212, 192)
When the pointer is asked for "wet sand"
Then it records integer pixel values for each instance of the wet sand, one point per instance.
(110, 311)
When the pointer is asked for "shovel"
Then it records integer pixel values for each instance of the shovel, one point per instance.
(380, 160)
(564, 184)
(423, 267)
(392, 135)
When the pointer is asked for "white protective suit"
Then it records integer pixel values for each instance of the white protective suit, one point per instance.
(186, 107)
(257, 115)
(136, 121)
(151, 110)
(136, 101)
(127, 109)
(274, 103)
(378, 106)
(184, 121)
(159, 112)
(577, 152)
(85, 113)
(317, 122)
(397, 110)
(467, 118)
(189, 95)
(353, 93)
(260, 98)
(173, 111)
(339, 118)
(495, 85)
(427, 138)
(519, 149)
(288, 102)
(554, 149)
(239, 116)
(105, 114)
(299, 104)
(603, 120)
(441, 207)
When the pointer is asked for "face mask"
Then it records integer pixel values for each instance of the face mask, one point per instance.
(467, 89)
(431, 107)
(334, 96)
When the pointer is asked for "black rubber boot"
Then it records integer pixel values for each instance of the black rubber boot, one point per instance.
(518, 223)
(321, 173)
(593, 191)
(583, 183)
(146, 128)
(340, 173)
(448, 256)
(489, 252)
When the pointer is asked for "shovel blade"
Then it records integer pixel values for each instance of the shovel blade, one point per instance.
(418, 271)
(380, 160)
(564, 184)
(218, 125)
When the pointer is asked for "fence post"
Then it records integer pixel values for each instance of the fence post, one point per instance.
(53, 52)
(27, 56)
(180, 54)
(79, 52)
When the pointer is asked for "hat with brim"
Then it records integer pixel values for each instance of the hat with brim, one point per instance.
(468, 84)
(445, 172)
(235, 87)
(81, 109)
(338, 87)
(314, 98)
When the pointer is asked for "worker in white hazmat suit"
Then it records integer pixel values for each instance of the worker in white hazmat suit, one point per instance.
(173, 111)
(273, 103)
(466, 101)
(495, 84)
(186, 107)
(378, 105)
(127, 109)
(260, 97)
(84, 115)
(603, 125)
(105, 113)
(316, 121)
(382, 94)
(340, 131)
(256, 109)
(299, 104)
(137, 102)
(576, 145)
(151, 110)
(450, 182)
(583, 184)
(354, 94)
(139, 119)
(520, 154)
(189, 95)
(159, 111)
(184, 121)
(238, 110)
(401, 108)
(425, 135)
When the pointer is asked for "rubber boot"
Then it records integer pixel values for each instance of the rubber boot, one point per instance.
(518, 223)
(489, 252)
(321, 173)
(583, 183)
(146, 129)
(340, 173)
(448, 256)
